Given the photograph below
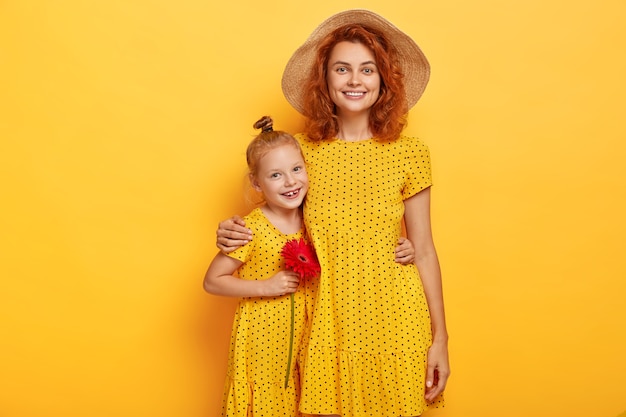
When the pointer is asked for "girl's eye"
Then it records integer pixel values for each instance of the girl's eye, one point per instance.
(368, 70)
(275, 175)
(297, 169)
(342, 70)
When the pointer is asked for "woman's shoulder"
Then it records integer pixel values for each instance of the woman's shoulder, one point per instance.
(304, 140)
(310, 147)
(408, 143)
(410, 149)
(411, 140)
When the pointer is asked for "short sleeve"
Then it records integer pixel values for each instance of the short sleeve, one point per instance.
(416, 159)
(244, 252)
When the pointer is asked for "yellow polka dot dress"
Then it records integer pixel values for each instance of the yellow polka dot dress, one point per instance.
(259, 344)
(369, 326)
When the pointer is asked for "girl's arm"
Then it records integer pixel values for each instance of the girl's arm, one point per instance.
(417, 221)
(405, 253)
(219, 280)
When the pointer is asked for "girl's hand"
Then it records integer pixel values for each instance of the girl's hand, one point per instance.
(438, 370)
(232, 234)
(281, 283)
(405, 252)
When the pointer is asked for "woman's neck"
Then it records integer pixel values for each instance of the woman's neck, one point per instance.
(288, 221)
(354, 128)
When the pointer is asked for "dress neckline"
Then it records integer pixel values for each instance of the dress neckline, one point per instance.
(336, 139)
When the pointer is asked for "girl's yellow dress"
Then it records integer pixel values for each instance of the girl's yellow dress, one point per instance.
(369, 326)
(259, 344)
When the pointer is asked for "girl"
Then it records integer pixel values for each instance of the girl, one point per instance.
(377, 337)
(259, 360)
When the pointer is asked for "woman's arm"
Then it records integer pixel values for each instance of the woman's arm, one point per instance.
(219, 280)
(418, 227)
(232, 234)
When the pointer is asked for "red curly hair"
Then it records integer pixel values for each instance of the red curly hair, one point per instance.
(387, 115)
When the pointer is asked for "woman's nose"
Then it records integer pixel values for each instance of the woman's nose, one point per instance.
(354, 79)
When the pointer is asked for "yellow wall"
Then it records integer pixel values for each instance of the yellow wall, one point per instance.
(123, 125)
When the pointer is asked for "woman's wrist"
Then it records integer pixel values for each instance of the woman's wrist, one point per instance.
(440, 336)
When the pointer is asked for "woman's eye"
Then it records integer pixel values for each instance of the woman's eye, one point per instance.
(367, 70)
(342, 69)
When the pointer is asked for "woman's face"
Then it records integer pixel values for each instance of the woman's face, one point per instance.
(353, 78)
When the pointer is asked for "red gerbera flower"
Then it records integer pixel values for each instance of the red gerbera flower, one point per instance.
(300, 258)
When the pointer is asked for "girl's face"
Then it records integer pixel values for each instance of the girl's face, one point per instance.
(282, 178)
(353, 78)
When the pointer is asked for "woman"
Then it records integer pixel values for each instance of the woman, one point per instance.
(377, 333)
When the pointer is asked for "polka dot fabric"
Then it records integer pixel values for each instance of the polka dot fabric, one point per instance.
(369, 325)
(259, 344)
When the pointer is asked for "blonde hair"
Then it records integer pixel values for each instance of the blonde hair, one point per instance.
(265, 141)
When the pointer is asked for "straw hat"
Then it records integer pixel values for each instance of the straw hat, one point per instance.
(412, 60)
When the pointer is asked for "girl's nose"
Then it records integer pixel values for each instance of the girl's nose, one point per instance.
(289, 179)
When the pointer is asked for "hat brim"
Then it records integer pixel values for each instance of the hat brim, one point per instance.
(412, 60)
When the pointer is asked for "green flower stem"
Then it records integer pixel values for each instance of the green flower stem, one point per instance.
(290, 342)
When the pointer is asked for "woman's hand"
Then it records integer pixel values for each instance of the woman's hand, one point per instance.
(438, 370)
(232, 234)
(281, 283)
(405, 252)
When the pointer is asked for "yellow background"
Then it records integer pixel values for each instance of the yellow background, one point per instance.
(123, 126)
